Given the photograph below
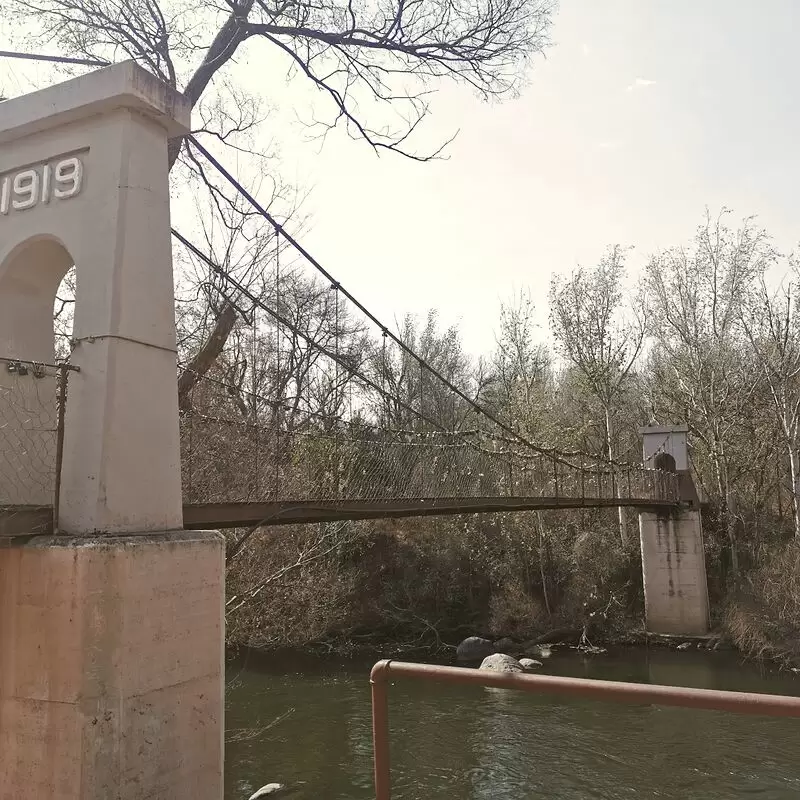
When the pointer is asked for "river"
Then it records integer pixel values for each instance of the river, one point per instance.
(482, 744)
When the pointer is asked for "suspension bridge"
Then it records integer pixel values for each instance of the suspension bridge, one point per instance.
(325, 444)
(239, 472)
(112, 617)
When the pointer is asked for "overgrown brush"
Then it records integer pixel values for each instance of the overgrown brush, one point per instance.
(763, 618)
(424, 582)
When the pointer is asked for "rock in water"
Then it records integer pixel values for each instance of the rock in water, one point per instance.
(530, 664)
(270, 790)
(500, 662)
(536, 650)
(504, 645)
(474, 649)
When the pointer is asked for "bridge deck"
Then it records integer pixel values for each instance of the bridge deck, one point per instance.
(286, 512)
(22, 520)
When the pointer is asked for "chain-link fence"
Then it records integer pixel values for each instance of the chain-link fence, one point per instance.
(231, 454)
(32, 401)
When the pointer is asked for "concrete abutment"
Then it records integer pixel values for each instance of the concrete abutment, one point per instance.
(111, 670)
(112, 634)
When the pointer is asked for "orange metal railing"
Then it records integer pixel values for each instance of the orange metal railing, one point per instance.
(385, 671)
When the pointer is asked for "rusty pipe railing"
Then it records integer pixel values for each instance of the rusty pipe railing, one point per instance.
(711, 700)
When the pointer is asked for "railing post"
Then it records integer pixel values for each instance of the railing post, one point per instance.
(61, 407)
(190, 455)
(380, 731)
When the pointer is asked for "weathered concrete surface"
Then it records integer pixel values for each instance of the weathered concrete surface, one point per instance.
(123, 85)
(111, 668)
(111, 645)
(669, 439)
(84, 181)
(674, 572)
(673, 559)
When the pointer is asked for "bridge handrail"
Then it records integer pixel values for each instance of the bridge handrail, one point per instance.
(384, 672)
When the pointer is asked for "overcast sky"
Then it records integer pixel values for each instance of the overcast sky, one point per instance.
(643, 113)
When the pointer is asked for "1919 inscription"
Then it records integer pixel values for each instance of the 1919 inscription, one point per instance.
(41, 184)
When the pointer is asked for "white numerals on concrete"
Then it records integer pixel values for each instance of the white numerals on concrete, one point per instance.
(36, 185)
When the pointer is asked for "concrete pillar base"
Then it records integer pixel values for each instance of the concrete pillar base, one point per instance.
(674, 571)
(111, 668)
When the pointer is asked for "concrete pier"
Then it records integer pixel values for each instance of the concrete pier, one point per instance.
(111, 667)
(673, 558)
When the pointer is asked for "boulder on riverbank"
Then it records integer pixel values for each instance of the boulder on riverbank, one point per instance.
(500, 662)
(474, 648)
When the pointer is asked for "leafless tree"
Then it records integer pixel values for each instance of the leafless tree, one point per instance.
(258, 575)
(409, 389)
(696, 296)
(589, 323)
(364, 59)
(239, 245)
(63, 315)
(519, 373)
(279, 377)
(772, 325)
(358, 55)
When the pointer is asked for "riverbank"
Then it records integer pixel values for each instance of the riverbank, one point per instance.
(446, 653)
(422, 586)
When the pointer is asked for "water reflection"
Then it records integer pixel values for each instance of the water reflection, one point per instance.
(450, 743)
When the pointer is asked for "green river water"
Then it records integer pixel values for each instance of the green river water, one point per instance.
(475, 744)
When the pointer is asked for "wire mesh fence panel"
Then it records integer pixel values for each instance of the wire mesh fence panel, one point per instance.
(320, 350)
(233, 451)
(29, 424)
(227, 455)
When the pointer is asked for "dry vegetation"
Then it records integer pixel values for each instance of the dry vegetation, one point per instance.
(724, 356)
(701, 339)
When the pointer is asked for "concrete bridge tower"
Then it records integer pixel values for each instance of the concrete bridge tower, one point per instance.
(673, 559)
(111, 633)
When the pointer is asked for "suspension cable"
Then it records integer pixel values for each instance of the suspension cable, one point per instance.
(254, 386)
(278, 379)
(316, 264)
(286, 323)
(553, 454)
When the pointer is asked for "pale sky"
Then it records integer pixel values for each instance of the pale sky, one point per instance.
(643, 113)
